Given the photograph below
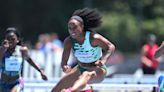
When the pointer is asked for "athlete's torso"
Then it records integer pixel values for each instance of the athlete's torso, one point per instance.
(150, 53)
(85, 53)
(11, 64)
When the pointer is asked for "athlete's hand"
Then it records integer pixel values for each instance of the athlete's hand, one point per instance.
(66, 68)
(5, 44)
(99, 63)
(44, 77)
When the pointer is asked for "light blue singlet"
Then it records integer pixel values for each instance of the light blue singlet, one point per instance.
(12, 64)
(85, 53)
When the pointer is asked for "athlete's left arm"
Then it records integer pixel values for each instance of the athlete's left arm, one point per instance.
(24, 51)
(106, 45)
(159, 51)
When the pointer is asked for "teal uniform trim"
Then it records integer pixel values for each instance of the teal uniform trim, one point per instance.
(83, 69)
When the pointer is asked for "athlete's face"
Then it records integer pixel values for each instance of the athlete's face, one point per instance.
(12, 39)
(75, 28)
(152, 40)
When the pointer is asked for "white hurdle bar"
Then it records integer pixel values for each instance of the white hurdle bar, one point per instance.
(107, 84)
(100, 86)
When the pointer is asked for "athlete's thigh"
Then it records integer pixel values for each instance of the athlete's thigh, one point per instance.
(14, 89)
(70, 78)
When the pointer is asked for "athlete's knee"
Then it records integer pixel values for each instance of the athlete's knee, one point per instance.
(88, 74)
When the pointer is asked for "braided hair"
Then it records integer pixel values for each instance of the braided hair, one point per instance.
(91, 18)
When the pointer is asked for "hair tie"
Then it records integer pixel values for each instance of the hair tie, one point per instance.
(77, 18)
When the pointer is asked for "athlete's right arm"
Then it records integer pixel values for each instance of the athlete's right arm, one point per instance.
(66, 53)
(144, 59)
(3, 47)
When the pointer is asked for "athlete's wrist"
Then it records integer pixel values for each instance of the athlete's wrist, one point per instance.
(40, 70)
(64, 65)
(103, 60)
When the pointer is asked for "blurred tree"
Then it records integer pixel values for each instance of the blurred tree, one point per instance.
(125, 22)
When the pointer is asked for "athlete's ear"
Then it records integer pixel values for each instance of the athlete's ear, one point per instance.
(82, 25)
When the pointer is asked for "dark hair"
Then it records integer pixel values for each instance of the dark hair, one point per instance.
(151, 37)
(91, 18)
(14, 30)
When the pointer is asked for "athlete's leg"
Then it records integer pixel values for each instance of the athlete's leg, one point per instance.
(14, 89)
(100, 75)
(92, 76)
(67, 81)
(18, 86)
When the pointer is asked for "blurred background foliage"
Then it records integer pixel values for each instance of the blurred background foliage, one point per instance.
(125, 22)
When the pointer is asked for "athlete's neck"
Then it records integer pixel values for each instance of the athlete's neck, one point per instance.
(81, 38)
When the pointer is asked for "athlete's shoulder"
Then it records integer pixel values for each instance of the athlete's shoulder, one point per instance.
(156, 45)
(146, 46)
(95, 36)
(23, 48)
(95, 39)
(68, 41)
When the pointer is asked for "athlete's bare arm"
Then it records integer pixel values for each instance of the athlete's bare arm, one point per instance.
(160, 51)
(105, 44)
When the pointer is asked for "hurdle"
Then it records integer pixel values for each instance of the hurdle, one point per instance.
(99, 86)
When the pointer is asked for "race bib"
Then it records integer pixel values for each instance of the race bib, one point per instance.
(83, 54)
(13, 63)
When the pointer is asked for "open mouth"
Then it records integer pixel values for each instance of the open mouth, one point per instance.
(73, 34)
